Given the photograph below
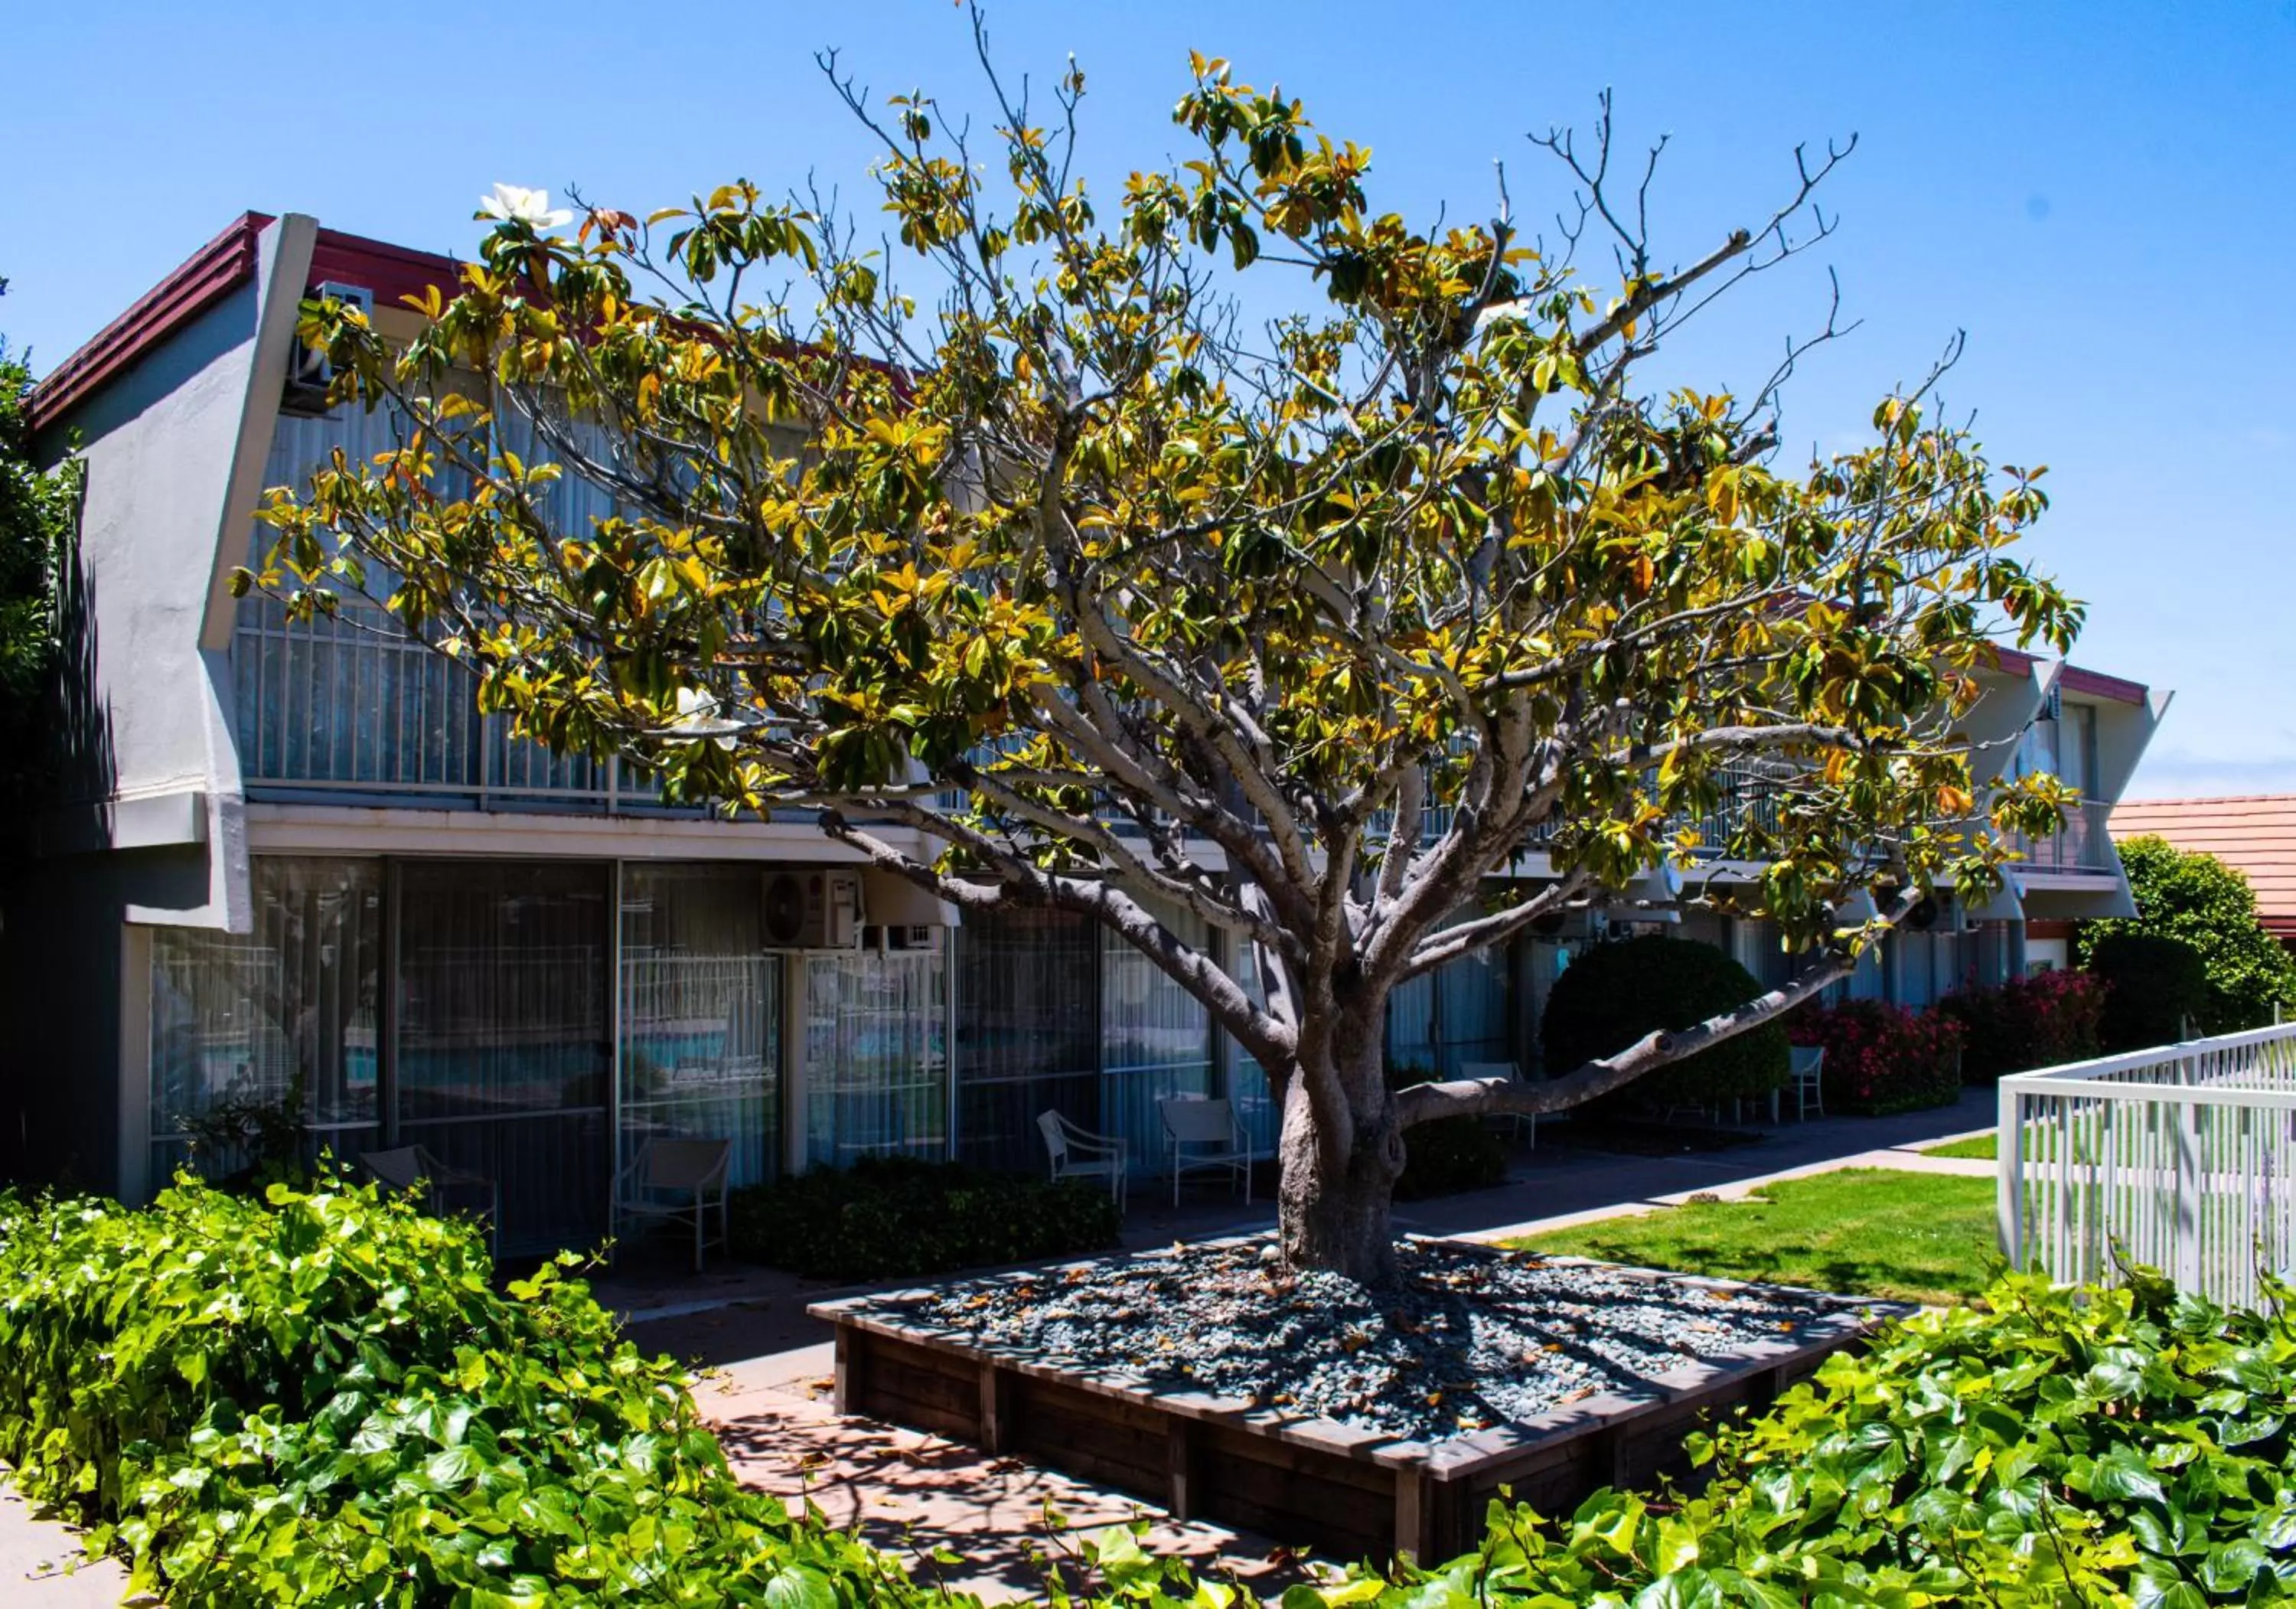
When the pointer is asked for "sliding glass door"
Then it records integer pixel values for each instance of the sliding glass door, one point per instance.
(701, 1015)
(504, 1049)
(1156, 1043)
(877, 1056)
(1028, 1030)
(284, 1015)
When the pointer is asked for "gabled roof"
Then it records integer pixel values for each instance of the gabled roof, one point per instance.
(2255, 834)
(206, 277)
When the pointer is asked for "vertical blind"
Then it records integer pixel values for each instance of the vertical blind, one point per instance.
(700, 1056)
(1456, 1014)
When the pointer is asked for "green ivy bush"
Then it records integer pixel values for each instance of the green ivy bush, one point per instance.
(1447, 1155)
(1615, 993)
(889, 1218)
(1880, 1058)
(319, 1399)
(2155, 988)
(2126, 1447)
(2045, 1019)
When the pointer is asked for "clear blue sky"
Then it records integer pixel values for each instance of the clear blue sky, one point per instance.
(2100, 194)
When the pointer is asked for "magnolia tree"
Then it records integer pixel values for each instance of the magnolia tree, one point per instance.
(1310, 629)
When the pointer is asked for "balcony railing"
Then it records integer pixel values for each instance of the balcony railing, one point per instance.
(2081, 845)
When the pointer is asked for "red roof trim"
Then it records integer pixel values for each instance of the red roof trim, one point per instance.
(209, 275)
(390, 271)
(2096, 684)
(213, 272)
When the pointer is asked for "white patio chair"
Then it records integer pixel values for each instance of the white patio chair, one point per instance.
(1808, 1063)
(1080, 1153)
(1523, 1121)
(414, 1168)
(674, 1181)
(1206, 1135)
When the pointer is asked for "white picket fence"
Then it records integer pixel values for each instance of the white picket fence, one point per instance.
(2182, 1158)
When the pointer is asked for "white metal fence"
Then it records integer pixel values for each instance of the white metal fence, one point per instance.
(2182, 1158)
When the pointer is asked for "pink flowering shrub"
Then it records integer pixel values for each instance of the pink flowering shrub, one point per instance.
(1882, 1058)
(2041, 1020)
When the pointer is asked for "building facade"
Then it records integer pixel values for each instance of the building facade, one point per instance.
(296, 863)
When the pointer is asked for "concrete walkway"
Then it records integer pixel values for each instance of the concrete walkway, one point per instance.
(42, 1561)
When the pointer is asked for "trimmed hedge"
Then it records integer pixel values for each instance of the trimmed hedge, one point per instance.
(1882, 1058)
(888, 1218)
(1447, 1155)
(2155, 987)
(2045, 1019)
(1616, 993)
(321, 1399)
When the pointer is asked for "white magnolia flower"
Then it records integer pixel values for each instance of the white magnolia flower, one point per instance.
(701, 718)
(1499, 313)
(513, 204)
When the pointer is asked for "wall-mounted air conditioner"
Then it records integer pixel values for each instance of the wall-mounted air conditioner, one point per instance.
(308, 372)
(813, 910)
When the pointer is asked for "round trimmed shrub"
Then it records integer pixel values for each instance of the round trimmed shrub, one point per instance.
(2154, 986)
(1616, 993)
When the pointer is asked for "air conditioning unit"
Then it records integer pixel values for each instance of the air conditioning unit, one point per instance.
(308, 372)
(813, 910)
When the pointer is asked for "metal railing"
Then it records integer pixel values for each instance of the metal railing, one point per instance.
(2182, 1158)
(2081, 845)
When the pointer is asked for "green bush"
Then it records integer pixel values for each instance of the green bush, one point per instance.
(2155, 987)
(1447, 1155)
(321, 1399)
(888, 1218)
(2124, 1447)
(2189, 895)
(1615, 993)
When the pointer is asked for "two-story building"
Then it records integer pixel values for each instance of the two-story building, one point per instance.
(299, 858)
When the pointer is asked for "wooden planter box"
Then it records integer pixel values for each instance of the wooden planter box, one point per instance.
(1347, 1492)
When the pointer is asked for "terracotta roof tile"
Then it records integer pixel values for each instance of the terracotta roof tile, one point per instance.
(2255, 834)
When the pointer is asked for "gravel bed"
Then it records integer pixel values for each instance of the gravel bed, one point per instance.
(1470, 1339)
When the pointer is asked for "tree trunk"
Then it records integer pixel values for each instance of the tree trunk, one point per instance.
(1340, 1155)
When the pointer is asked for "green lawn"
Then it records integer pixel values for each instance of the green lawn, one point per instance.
(1983, 1147)
(1863, 1231)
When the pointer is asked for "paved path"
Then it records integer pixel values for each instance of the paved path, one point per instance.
(41, 1563)
(912, 1493)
